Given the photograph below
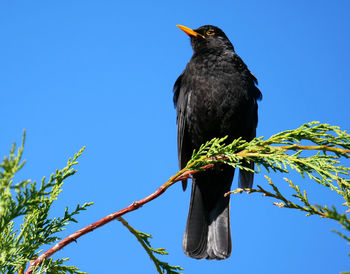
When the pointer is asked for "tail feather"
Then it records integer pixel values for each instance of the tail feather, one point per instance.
(208, 233)
(219, 235)
(195, 238)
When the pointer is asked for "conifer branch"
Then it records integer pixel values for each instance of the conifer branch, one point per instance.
(143, 239)
(274, 154)
(182, 174)
(32, 202)
(305, 205)
(271, 154)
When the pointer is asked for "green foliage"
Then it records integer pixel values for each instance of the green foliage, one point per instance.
(313, 150)
(271, 153)
(282, 152)
(31, 203)
(304, 203)
(143, 238)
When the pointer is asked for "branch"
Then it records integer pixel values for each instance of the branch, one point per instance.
(336, 150)
(322, 211)
(143, 239)
(270, 154)
(183, 174)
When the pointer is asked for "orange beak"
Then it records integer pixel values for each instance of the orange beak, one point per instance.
(189, 31)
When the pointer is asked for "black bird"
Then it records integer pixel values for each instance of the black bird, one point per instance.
(215, 96)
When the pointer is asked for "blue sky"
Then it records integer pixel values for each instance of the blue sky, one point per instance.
(100, 74)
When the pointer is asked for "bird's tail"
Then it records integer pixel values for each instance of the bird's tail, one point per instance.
(194, 242)
(208, 233)
(219, 231)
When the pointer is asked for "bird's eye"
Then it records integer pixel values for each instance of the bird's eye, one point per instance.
(210, 32)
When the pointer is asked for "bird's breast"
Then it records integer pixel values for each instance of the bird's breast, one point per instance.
(217, 99)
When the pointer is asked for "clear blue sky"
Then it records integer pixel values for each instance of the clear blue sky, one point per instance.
(100, 74)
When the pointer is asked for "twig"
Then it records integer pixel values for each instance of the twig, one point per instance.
(183, 174)
(312, 210)
(135, 233)
(342, 151)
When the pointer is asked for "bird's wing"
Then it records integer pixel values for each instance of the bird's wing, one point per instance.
(176, 89)
(242, 67)
(246, 178)
(183, 142)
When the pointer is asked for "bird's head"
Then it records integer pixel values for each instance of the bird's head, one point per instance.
(207, 38)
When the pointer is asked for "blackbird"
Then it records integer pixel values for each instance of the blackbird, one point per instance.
(215, 96)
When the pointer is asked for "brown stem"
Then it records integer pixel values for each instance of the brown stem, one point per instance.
(181, 175)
